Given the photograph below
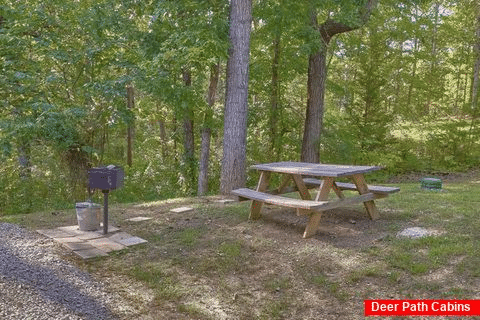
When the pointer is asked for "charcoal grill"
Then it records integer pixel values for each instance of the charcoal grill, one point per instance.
(106, 179)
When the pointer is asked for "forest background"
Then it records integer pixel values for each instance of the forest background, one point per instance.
(141, 84)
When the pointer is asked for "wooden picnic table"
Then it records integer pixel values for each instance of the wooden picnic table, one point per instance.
(329, 173)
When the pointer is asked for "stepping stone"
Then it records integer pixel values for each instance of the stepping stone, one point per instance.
(68, 240)
(76, 229)
(88, 235)
(90, 253)
(181, 210)
(75, 246)
(56, 233)
(224, 201)
(106, 245)
(415, 233)
(126, 239)
(110, 228)
(71, 229)
(137, 219)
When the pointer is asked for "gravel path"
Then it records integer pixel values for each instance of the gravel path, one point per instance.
(36, 284)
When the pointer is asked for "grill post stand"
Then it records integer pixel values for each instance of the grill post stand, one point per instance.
(105, 211)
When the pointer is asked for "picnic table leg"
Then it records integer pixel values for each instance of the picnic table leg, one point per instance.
(284, 184)
(338, 191)
(303, 191)
(362, 188)
(322, 195)
(262, 186)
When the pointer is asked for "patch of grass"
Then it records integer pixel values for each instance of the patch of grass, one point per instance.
(194, 311)
(426, 286)
(359, 274)
(232, 214)
(190, 236)
(231, 256)
(230, 250)
(419, 256)
(393, 277)
(375, 251)
(408, 261)
(441, 250)
(164, 283)
(274, 309)
(333, 287)
(456, 293)
(218, 258)
(470, 266)
(276, 284)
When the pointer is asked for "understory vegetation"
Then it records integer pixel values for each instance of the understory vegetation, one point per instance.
(434, 148)
(143, 86)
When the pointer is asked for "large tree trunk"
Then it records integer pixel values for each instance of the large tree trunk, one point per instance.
(207, 132)
(233, 173)
(317, 73)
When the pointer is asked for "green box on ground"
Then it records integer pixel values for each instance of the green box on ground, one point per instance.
(431, 183)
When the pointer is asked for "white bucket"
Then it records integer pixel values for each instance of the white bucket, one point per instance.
(88, 215)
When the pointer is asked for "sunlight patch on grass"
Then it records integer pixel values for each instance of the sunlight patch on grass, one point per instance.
(418, 256)
(161, 202)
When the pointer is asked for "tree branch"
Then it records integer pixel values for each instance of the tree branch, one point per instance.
(331, 27)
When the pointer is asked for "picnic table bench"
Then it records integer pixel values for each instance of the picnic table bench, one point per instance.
(294, 171)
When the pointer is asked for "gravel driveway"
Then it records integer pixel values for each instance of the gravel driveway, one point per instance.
(35, 283)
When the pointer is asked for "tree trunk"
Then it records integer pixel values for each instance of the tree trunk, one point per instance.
(317, 73)
(130, 106)
(189, 139)
(233, 173)
(465, 87)
(414, 73)
(163, 138)
(476, 69)
(275, 98)
(24, 160)
(23, 149)
(476, 78)
(457, 91)
(207, 132)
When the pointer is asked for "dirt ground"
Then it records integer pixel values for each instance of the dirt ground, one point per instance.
(233, 268)
(275, 279)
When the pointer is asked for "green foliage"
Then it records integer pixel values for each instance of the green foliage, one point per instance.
(397, 95)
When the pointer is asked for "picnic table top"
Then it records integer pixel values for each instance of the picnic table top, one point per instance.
(314, 169)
